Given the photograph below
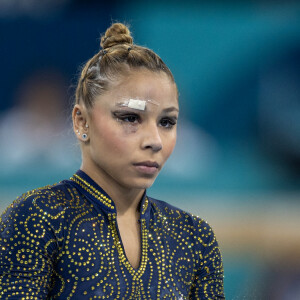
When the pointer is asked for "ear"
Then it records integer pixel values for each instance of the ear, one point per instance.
(80, 124)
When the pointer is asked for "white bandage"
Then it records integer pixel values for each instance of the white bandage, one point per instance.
(137, 104)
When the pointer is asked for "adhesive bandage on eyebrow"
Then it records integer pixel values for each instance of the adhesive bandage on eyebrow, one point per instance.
(136, 103)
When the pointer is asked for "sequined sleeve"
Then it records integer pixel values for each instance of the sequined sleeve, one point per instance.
(208, 281)
(28, 244)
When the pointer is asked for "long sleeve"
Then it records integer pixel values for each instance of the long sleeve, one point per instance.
(28, 244)
(208, 281)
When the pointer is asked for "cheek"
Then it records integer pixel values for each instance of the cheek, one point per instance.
(169, 146)
(129, 128)
(105, 137)
(111, 137)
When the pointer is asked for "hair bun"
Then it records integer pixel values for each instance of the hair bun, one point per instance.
(116, 34)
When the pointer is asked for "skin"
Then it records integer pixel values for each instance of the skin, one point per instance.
(120, 137)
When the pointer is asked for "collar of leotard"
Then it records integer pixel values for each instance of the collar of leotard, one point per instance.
(97, 195)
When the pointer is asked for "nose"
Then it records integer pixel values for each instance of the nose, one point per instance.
(151, 138)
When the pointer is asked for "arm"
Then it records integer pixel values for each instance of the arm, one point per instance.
(27, 247)
(208, 280)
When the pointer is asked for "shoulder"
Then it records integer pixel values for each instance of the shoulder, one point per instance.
(43, 199)
(41, 216)
(168, 210)
(189, 223)
(49, 203)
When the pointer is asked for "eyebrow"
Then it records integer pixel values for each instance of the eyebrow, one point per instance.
(169, 109)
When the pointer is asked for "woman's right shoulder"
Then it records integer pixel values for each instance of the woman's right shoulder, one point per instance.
(48, 201)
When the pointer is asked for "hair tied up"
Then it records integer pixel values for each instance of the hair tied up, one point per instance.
(116, 34)
(114, 59)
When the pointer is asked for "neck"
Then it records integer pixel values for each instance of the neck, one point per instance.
(126, 199)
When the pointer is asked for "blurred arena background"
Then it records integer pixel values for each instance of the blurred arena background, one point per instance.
(237, 161)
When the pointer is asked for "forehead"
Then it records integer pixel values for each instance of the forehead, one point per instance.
(143, 85)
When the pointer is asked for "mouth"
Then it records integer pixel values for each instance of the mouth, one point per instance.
(147, 167)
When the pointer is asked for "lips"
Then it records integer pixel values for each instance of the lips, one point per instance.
(148, 164)
(147, 167)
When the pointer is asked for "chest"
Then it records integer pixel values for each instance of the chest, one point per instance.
(130, 237)
(108, 259)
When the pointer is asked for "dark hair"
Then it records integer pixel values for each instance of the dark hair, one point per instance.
(118, 56)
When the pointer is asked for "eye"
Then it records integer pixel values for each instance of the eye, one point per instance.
(127, 118)
(168, 122)
(130, 119)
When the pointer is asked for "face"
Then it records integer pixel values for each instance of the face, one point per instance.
(128, 145)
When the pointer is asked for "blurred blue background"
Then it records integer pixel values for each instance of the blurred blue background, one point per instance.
(237, 159)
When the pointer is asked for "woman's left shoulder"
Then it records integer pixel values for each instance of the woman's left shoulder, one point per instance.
(178, 215)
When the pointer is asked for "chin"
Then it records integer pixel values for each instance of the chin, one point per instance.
(141, 183)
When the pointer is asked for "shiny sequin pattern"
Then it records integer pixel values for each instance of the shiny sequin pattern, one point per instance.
(62, 242)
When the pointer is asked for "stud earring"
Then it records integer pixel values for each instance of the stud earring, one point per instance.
(78, 112)
(84, 135)
(86, 125)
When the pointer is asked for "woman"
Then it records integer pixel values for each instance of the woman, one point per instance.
(98, 235)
